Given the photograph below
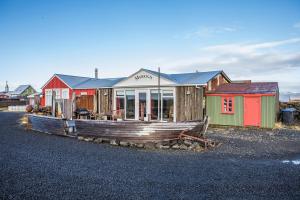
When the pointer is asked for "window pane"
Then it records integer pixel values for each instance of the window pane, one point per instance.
(120, 103)
(130, 104)
(120, 93)
(130, 92)
(142, 105)
(168, 93)
(65, 94)
(168, 108)
(154, 106)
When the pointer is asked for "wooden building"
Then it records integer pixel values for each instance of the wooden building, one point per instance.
(145, 95)
(83, 88)
(244, 104)
(22, 91)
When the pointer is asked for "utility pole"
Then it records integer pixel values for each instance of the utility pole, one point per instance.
(159, 97)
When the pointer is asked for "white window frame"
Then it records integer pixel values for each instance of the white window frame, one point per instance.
(48, 97)
(57, 93)
(163, 90)
(65, 93)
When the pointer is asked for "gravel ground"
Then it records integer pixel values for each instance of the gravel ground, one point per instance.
(250, 164)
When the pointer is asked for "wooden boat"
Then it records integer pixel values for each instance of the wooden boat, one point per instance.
(120, 130)
(137, 130)
(46, 124)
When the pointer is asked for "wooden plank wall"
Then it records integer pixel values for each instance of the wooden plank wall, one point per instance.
(105, 98)
(85, 101)
(189, 101)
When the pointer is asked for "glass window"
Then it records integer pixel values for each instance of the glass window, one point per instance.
(119, 103)
(154, 106)
(48, 97)
(57, 93)
(130, 104)
(227, 105)
(65, 93)
(142, 105)
(168, 105)
(167, 93)
(120, 93)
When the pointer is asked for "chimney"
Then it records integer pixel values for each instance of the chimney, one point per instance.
(96, 73)
(6, 87)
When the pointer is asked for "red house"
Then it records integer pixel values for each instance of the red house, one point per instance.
(83, 87)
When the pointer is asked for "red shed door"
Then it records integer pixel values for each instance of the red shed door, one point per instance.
(252, 111)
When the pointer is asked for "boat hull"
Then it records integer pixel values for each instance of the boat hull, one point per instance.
(118, 130)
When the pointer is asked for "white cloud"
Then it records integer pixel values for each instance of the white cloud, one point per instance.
(204, 32)
(297, 25)
(266, 61)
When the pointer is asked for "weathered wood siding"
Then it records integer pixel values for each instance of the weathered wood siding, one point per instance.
(136, 130)
(50, 125)
(189, 100)
(268, 111)
(85, 101)
(105, 98)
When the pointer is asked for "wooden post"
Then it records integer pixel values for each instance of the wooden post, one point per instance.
(98, 101)
(73, 106)
(53, 103)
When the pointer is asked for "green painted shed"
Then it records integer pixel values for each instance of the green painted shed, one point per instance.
(244, 104)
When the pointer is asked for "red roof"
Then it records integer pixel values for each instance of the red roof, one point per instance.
(247, 88)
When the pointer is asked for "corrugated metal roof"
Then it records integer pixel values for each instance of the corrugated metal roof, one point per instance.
(98, 83)
(20, 89)
(247, 88)
(72, 81)
(188, 78)
(77, 82)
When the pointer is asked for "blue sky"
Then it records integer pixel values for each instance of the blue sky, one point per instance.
(257, 40)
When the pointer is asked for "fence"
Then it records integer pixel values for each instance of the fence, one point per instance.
(12, 102)
(17, 108)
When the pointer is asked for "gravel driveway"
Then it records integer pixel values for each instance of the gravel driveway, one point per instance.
(250, 164)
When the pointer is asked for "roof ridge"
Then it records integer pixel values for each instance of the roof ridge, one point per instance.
(197, 72)
(73, 76)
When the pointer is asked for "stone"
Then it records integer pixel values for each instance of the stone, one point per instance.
(80, 138)
(98, 140)
(105, 140)
(175, 146)
(165, 147)
(180, 141)
(149, 145)
(198, 148)
(88, 139)
(194, 146)
(188, 142)
(183, 147)
(124, 143)
(162, 146)
(139, 145)
(172, 142)
(114, 142)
